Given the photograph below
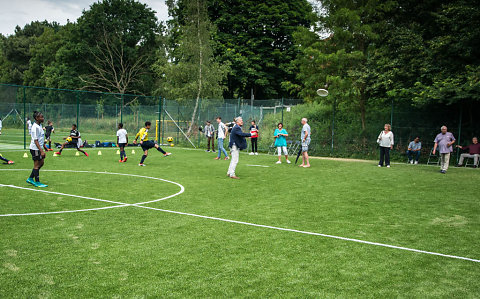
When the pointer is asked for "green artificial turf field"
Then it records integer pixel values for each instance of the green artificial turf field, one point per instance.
(133, 251)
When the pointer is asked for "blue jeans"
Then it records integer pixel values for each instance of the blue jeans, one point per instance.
(410, 155)
(220, 148)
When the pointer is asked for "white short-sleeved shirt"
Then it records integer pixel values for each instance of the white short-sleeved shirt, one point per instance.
(37, 133)
(122, 136)
(29, 124)
(221, 130)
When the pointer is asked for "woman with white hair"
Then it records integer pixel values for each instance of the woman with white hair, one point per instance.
(385, 140)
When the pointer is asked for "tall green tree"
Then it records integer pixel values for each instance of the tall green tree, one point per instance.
(338, 52)
(191, 70)
(256, 38)
(16, 50)
(120, 38)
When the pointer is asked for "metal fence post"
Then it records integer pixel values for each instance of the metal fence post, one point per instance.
(333, 123)
(391, 114)
(178, 122)
(121, 111)
(24, 120)
(78, 108)
(459, 130)
(282, 110)
(159, 118)
(163, 116)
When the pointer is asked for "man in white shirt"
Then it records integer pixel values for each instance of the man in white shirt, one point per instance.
(306, 132)
(122, 141)
(37, 149)
(0, 126)
(221, 133)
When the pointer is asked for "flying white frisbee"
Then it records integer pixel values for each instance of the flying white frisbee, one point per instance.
(322, 92)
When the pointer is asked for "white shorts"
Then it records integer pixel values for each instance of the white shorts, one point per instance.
(285, 152)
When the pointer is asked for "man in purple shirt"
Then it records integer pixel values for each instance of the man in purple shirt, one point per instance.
(444, 142)
(473, 152)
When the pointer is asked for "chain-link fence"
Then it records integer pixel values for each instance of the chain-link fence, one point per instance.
(337, 129)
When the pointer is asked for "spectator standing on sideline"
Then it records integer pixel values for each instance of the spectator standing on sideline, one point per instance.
(444, 142)
(414, 150)
(306, 132)
(281, 142)
(237, 143)
(29, 125)
(473, 152)
(254, 138)
(210, 134)
(49, 130)
(385, 140)
(221, 134)
(0, 126)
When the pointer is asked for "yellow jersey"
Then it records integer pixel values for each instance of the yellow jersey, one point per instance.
(143, 134)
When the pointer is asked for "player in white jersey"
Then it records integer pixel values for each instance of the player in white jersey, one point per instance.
(122, 141)
(37, 149)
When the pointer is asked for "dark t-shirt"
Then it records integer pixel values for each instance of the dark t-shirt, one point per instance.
(48, 131)
(473, 149)
(74, 133)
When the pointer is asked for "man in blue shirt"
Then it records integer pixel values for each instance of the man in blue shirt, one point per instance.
(414, 150)
(237, 143)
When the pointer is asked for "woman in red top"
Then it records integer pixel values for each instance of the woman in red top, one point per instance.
(254, 132)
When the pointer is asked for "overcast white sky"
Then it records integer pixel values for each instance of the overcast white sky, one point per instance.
(21, 12)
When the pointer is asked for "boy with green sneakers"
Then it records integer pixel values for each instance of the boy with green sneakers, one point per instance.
(37, 149)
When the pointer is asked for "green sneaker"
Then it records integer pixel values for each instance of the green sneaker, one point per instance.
(40, 185)
(31, 181)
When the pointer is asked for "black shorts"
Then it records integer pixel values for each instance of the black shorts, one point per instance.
(122, 144)
(146, 145)
(47, 137)
(36, 156)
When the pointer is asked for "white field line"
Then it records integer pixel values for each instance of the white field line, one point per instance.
(315, 234)
(139, 205)
(63, 194)
(120, 204)
(252, 165)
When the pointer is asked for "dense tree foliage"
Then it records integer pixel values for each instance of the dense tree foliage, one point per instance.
(369, 52)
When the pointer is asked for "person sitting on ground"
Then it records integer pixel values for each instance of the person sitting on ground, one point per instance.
(473, 152)
(414, 150)
(280, 135)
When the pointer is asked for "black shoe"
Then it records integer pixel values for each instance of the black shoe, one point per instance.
(459, 165)
(443, 171)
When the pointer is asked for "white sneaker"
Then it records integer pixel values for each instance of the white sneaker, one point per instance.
(388, 166)
(288, 162)
(411, 161)
(256, 154)
(379, 165)
(252, 153)
(416, 162)
(279, 162)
